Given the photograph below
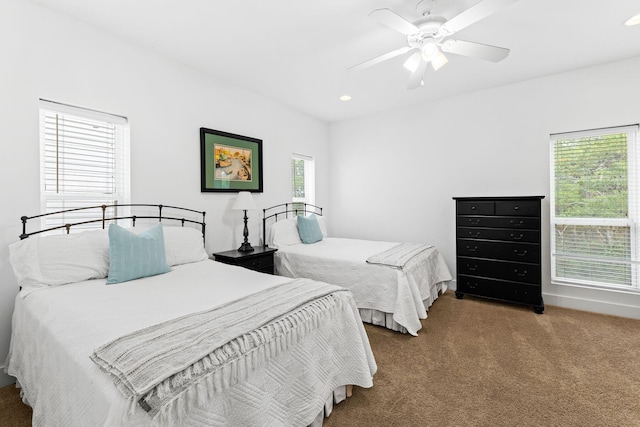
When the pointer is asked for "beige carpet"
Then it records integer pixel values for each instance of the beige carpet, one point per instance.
(13, 413)
(480, 363)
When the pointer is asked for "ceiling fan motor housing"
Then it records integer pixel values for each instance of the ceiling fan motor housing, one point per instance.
(429, 31)
(430, 25)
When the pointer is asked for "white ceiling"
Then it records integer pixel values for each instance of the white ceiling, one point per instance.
(298, 51)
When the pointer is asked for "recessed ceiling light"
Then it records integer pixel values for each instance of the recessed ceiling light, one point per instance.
(634, 20)
(345, 98)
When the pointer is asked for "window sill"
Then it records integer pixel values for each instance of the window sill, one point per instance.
(620, 290)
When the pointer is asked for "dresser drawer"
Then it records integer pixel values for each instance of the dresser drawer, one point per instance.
(476, 208)
(261, 259)
(499, 289)
(519, 252)
(518, 208)
(530, 236)
(263, 263)
(505, 270)
(519, 223)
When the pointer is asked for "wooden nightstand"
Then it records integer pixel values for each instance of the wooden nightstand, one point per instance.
(261, 259)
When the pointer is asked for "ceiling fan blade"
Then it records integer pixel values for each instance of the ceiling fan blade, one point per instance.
(474, 14)
(475, 50)
(380, 58)
(394, 21)
(415, 80)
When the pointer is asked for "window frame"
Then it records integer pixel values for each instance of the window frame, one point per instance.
(633, 215)
(309, 179)
(121, 168)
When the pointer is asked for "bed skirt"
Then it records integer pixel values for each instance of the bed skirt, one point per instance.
(339, 394)
(380, 318)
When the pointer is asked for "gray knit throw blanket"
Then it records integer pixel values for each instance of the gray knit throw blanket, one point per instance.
(399, 255)
(168, 367)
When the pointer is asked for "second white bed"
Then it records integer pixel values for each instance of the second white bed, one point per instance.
(394, 298)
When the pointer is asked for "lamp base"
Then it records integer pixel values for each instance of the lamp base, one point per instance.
(245, 247)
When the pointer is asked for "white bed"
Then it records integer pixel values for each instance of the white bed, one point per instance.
(56, 329)
(396, 298)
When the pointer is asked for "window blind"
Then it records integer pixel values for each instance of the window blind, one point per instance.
(594, 207)
(84, 161)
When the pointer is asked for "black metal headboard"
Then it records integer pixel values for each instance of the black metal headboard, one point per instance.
(283, 210)
(104, 218)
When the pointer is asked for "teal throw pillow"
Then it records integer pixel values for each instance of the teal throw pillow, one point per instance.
(132, 256)
(309, 229)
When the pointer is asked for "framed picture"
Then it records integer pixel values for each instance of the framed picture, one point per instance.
(230, 162)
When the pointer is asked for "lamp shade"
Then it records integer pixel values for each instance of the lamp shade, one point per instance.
(413, 62)
(244, 201)
(438, 61)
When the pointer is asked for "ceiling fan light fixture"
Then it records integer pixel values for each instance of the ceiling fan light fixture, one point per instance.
(413, 62)
(439, 61)
(429, 50)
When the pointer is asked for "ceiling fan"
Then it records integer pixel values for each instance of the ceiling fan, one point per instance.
(428, 38)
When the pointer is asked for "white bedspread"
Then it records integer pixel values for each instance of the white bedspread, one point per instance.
(55, 330)
(343, 262)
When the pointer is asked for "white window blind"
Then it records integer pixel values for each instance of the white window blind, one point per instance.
(84, 162)
(595, 209)
(303, 186)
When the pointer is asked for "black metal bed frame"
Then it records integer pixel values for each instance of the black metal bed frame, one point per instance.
(106, 218)
(289, 208)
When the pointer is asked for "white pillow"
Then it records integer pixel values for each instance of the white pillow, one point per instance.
(60, 259)
(323, 225)
(283, 233)
(183, 245)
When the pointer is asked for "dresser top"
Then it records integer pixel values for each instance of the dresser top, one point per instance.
(501, 198)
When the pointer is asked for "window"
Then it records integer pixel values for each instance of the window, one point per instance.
(594, 208)
(303, 179)
(84, 162)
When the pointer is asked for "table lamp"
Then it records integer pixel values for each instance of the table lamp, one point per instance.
(244, 202)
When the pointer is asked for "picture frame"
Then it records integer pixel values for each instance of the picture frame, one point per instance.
(229, 162)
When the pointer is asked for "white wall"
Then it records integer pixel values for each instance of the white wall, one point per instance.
(394, 174)
(46, 55)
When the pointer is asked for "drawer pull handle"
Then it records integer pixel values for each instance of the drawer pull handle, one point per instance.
(523, 253)
(516, 208)
(474, 221)
(470, 249)
(517, 238)
(473, 208)
(474, 268)
(474, 234)
(524, 273)
(472, 285)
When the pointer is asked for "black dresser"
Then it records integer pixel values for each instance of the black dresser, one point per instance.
(498, 249)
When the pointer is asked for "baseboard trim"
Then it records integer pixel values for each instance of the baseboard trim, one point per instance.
(585, 304)
(595, 306)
